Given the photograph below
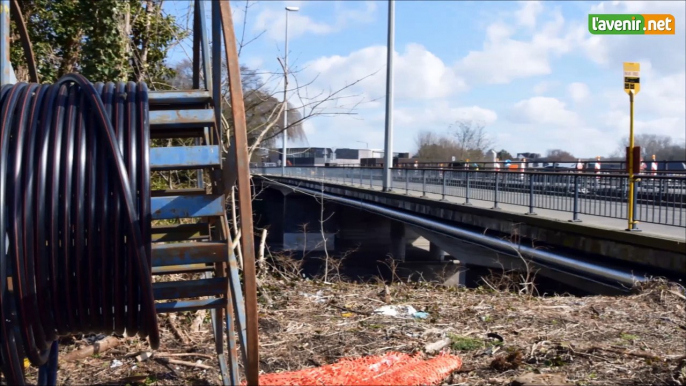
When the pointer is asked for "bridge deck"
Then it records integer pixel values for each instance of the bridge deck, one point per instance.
(415, 190)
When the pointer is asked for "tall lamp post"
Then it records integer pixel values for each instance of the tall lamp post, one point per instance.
(284, 152)
(388, 146)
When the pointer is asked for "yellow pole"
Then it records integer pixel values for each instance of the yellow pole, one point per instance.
(631, 161)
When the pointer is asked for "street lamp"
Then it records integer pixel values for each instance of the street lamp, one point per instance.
(388, 137)
(284, 157)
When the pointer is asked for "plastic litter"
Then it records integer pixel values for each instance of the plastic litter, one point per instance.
(421, 315)
(401, 311)
(317, 297)
(396, 310)
(116, 363)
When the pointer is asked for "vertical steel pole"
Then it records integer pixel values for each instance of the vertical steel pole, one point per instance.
(630, 203)
(284, 146)
(206, 71)
(6, 73)
(217, 68)
(388, 145)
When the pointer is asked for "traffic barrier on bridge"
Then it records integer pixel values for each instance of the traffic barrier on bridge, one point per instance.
(653, 166)
(392, 368)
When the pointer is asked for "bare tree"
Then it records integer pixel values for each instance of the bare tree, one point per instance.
(435, 147)
(663, 147)
(472, 139)
(558, 155)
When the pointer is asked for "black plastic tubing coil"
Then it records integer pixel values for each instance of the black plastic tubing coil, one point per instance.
(74, 216)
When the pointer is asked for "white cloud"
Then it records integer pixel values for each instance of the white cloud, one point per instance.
(543, 110)
(441, 115)
(418, 74)
(618, 122)
(526, 15)
(272, 19)
(504, 59)
(579, 92)
(545, 86)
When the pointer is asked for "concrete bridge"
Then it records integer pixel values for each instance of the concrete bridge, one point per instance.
(567, 226)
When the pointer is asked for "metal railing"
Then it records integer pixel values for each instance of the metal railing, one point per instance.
(658, 199)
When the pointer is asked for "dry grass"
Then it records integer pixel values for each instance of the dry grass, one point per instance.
(600, 340)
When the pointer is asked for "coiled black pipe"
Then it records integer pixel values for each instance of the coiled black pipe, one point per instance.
(75, 207)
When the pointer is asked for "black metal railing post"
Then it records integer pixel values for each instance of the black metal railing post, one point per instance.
(423, 183)
(407, 182)
(634, 226)
(466, 201)
(531, 196)
(445, 172)
(575, 215)
(497, 190)
(371, 176)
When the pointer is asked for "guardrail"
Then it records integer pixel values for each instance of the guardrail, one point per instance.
(658, 199)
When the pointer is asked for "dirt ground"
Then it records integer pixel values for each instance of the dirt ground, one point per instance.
(598, 340)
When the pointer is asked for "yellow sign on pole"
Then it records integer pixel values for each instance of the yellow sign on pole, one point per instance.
(632, 77)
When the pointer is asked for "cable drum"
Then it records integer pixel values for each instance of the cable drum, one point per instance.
(75, 206)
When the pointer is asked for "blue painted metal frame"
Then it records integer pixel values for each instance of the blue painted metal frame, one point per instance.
(174, 207)
(179, 97)
(181, 119)
(189, 305)
(189, 253)
(184, 157)
(169, 290)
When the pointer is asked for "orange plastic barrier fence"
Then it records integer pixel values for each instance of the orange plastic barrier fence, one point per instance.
(389, 369)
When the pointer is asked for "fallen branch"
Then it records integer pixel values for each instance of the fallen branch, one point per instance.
(168, 361)
(436, 346)
(624, 352)
(263, 240)
(172, 326)
(189, 354)
(365, 313)
(96, 348)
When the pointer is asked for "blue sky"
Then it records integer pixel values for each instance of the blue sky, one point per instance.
(529, 71)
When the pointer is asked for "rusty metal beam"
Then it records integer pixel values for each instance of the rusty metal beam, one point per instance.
(25, 40)
(244, 196)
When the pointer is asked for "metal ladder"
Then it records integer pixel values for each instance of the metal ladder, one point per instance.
(202, 247)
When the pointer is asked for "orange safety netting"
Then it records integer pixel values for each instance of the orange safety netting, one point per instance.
(389, 369)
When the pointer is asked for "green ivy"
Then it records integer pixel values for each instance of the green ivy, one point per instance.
(89, 37)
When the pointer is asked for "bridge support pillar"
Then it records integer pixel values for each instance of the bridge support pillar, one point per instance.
(436, 253)
(458, 279)
(398, 240)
